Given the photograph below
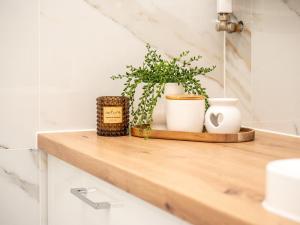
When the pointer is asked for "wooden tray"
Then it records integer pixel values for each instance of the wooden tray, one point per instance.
(245, 134)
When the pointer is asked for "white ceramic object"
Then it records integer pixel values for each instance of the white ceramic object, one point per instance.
(283, 188)
(223, 116)
(185, 113)
(159, 113)
(224, 6)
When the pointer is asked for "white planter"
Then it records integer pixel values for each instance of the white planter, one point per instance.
(223, 116)
(159, 113)
(185, 113)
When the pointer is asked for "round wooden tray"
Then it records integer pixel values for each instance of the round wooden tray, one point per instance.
(245, 134)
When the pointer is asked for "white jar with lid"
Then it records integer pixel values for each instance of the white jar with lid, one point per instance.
(185, 113)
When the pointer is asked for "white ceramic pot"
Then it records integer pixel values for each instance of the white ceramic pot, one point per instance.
(282, 188)
(223, 116)
(185, 113)
(159, 113)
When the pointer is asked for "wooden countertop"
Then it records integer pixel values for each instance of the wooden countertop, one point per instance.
(203, 183)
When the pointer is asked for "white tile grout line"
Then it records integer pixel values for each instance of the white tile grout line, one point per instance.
(63, 131)
(18, 149)
(224, 64)
(43, 215)
(274, 132)
(39, 71)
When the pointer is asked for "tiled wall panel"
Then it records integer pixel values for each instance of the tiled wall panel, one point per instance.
(18, 73)
(84, 42)
(263, 64)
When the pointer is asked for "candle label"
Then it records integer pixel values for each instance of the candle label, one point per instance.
(112, 114)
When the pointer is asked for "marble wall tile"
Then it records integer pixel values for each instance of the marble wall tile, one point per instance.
(238, 61)
(19, 189)
(19, 185)
(84, 42)
(43, 186)
(56, 58)
(276, 35)
(272, 50)
(18, 73)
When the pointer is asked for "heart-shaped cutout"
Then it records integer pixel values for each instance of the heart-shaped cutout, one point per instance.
(216, 119)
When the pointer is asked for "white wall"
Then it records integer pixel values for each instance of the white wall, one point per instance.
(84, 42)
(57, 56)
(19, 189)
(263, 64)
(18, 73)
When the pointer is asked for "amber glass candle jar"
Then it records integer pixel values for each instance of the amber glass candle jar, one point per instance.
(112, 116)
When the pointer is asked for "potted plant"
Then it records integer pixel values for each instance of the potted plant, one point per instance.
(159, 76)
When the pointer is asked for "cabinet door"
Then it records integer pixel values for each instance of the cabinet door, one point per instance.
(64, 207)
(125, 209)
(19, 189)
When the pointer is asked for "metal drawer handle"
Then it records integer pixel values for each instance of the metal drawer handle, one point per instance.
(81, 194)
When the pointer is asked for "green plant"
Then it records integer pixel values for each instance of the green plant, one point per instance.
(154, 74)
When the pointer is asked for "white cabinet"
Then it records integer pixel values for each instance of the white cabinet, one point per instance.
(126, 209)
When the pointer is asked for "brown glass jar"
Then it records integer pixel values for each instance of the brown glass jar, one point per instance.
(112, 116)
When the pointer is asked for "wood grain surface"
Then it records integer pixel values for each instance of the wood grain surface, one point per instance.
(203, 183)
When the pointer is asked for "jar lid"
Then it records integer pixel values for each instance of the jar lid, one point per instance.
(185, 97)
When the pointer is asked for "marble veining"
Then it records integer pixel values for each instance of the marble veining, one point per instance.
(3, 147)
(29, 188)
(19, 187)
(35, 157)
(293, 5)
(296, 129)
(112, 35)
(263, 60)
(137, 20)
(152, 24)
(238, 62)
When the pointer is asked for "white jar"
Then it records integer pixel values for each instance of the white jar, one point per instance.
(159, 113)
(223, 116)
(185, 113)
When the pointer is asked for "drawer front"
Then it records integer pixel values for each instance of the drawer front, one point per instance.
(63, 206)
(94, 201)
